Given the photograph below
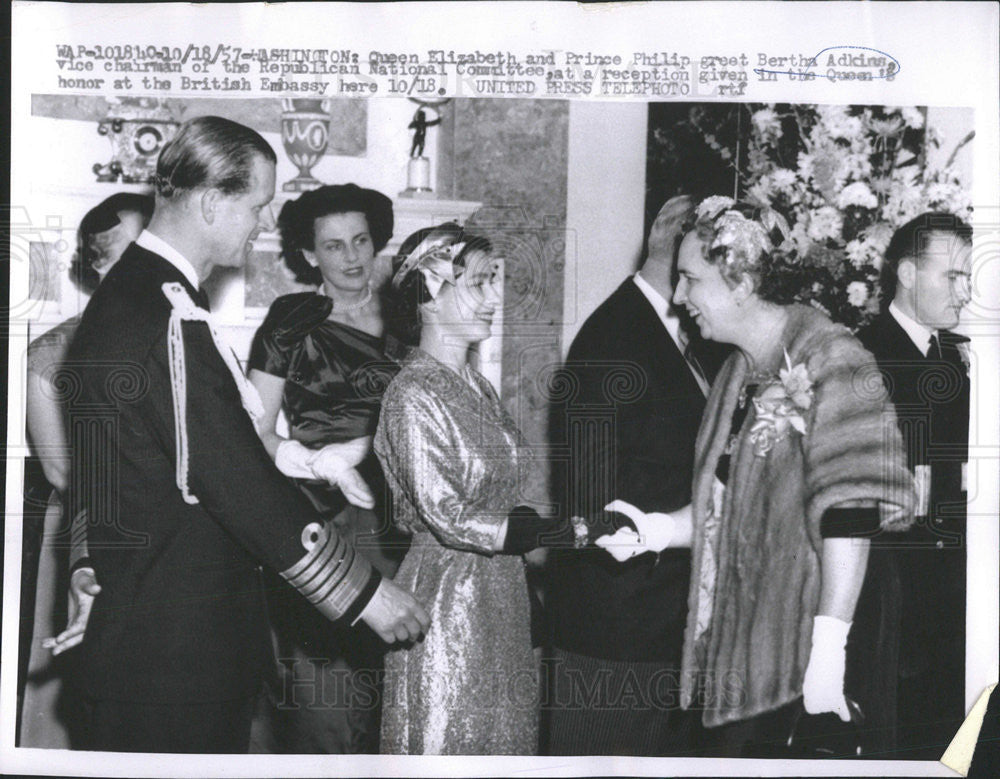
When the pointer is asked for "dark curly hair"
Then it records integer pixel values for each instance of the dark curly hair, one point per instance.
(776, 277)
(403, 297)
(297, 222)
(99, 219)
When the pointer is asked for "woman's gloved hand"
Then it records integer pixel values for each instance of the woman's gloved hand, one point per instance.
(823, 685)
(334, 464)
(653, 532)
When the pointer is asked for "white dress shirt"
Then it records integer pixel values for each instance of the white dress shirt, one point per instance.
(918, 333)
(671, 322)
(921, 336)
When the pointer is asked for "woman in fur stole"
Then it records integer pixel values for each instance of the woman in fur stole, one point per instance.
(798, 464)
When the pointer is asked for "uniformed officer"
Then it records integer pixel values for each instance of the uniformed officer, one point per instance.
(182, 499)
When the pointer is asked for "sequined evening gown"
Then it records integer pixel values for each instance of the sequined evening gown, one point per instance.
(450, 455)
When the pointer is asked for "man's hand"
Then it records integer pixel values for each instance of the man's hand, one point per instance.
(667, 226)
(395, 614)
(83, 588)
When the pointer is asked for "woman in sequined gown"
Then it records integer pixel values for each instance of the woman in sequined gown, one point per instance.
(451, 456)
(321, 358)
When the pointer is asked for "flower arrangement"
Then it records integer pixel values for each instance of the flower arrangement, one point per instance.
(845, 177)
(781, 407)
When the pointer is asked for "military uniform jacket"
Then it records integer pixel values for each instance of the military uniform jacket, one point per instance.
(181, 616)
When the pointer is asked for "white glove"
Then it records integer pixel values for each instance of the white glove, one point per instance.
(353, 451)
(656, 530)
(823, 685)
(334, 463)
(355, 489)
(295, 460)
(329, 463)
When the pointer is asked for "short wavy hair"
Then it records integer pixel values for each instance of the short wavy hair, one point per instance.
(209, 152)
(909, 241)
(297, 222)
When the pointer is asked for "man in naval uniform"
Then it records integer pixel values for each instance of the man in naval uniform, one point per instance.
(182, 500)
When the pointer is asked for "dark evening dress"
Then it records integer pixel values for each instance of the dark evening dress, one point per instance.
(335, 376)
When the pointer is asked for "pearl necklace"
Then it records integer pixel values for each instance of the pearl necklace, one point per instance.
(353, 306)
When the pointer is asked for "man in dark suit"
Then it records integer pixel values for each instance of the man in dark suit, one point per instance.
(925, 285)
(182, 500)
(630, 424)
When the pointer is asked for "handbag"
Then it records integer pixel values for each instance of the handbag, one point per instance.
(825, 735)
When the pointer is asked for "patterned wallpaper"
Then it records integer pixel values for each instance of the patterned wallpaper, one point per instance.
(512, 156)
(267, 277)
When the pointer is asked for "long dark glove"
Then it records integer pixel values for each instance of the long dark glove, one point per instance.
(526, 530)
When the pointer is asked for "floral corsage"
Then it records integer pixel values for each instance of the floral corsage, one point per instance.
(781, 406)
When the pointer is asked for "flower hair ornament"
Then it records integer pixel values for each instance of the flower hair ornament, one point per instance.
(744, 240)
(435, 259)
(709, 208)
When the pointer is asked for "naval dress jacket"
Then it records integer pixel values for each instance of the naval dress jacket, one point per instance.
(180, 617)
